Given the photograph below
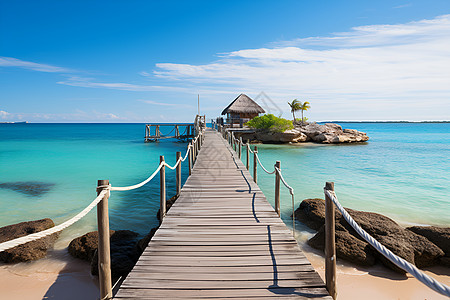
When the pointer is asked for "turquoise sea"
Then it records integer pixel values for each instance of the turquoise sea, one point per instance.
(402, 172)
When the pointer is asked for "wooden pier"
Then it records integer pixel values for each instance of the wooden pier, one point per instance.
(153, 131)
(222, 239)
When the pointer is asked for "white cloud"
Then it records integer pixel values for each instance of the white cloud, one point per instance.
(401, 65)
(157, 103)
(14, 62)
(4, 114)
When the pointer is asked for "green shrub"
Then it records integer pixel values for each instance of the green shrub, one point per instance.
(271, 123)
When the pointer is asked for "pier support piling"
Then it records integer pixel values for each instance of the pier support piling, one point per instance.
(277, 188)
(330, 243)
(104, 257)
(255, 164)
(162, 186)
(178, 173)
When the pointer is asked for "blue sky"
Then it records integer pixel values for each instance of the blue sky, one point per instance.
(146, 61)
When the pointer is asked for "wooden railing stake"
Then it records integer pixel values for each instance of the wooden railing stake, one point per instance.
(330, 246)
(178, 173)
(248, 155)
(104, 257)
(190, 158)
(162, 186)
(277, 188)
(240, 147)
(255, 164)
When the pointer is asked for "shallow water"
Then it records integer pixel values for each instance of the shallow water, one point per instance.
(402, 172)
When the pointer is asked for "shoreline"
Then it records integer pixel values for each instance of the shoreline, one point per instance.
(61, 276)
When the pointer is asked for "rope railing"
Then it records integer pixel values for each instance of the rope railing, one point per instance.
(277, 171)
(398, 261)
(330, 251)
(38, 235)
(104, 189)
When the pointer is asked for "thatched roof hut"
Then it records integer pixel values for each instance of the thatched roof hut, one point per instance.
(243, 104)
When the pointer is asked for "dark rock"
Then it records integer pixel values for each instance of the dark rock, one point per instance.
(350, 246)
(29, 188)
(31, 250)
(440, 236)
(124, 254)
(84, 247)
(125, 250)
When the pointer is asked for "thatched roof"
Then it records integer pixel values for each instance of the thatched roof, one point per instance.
(243, 104)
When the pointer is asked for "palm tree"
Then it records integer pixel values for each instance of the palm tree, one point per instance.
(295, 106)
(303, 107)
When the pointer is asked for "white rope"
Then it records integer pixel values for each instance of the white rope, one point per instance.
(178, 161)
(398, 261)
(265, 170)
(35, 236)
(132, 187)
(291, 189)
(249, 148)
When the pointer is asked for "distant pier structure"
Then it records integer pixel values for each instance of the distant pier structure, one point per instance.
(181, 131)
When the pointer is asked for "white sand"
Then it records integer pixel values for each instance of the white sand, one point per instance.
(376, 283)
(62, 277)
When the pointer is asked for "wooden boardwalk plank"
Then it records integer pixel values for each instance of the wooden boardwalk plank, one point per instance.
(222, 239)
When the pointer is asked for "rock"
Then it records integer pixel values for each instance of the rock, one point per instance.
(84, 247)
(29, 188)
(331, 133)
(124, 253)
(125, 250)
(31, 250)
(289, 136)
(350, 246)
(440, 236)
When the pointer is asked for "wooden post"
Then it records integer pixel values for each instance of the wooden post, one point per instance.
(248, 155)
(162, 190)
(104, 257)
(277, 188)
(178, 173)
(146, 135)
(240, 147)
(330, 246)
(255, 164)
(190, 158)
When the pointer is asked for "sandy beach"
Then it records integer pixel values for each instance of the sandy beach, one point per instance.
(62, 277)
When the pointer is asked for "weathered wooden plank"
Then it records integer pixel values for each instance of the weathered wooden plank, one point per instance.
(298, 293)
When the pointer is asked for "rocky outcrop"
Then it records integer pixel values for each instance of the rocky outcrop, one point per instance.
(440, 236)
(331, 133)
(289, 136)
(350, 246)
(125, 250)
(29, 251)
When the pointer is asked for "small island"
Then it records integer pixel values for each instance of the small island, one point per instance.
(244, 121)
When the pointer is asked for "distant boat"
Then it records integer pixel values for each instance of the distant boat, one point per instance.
(22, 122)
